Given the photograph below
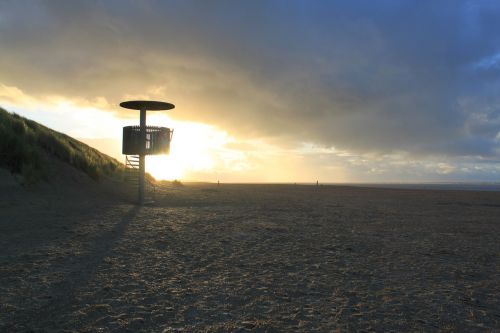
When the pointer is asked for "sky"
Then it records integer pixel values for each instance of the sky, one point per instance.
(269, 91)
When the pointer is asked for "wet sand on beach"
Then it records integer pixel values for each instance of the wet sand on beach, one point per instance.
(250, 258)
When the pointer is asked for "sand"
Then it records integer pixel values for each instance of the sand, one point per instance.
(250, 258)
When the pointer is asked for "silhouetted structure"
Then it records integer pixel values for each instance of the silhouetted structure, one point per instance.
(145, 140)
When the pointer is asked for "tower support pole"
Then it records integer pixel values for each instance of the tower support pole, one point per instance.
(142, 157)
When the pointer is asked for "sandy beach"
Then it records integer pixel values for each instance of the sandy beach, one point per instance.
(249, 258)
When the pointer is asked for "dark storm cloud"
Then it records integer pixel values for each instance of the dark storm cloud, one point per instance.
(368, 76)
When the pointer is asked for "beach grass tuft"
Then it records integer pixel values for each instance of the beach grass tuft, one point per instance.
(26, 144)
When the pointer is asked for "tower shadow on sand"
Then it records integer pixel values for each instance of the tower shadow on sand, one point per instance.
(63, 295)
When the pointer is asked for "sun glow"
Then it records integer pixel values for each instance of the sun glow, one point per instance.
(193, 149)
(164, 168)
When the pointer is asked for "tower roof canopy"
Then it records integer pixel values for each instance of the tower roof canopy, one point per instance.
(147, 105)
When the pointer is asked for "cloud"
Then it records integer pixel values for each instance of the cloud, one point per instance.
(368, 77)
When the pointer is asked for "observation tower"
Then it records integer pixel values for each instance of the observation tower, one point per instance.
(142, 140)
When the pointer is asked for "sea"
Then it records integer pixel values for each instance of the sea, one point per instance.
(430, 186)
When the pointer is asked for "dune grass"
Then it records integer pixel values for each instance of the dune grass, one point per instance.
(25, 146)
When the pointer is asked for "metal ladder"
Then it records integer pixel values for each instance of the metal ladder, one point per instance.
(132, 176)
(132, 169)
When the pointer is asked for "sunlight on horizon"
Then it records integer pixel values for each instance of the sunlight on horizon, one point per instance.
(202, 152)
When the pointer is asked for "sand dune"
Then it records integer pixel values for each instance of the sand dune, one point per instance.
(250, 258)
